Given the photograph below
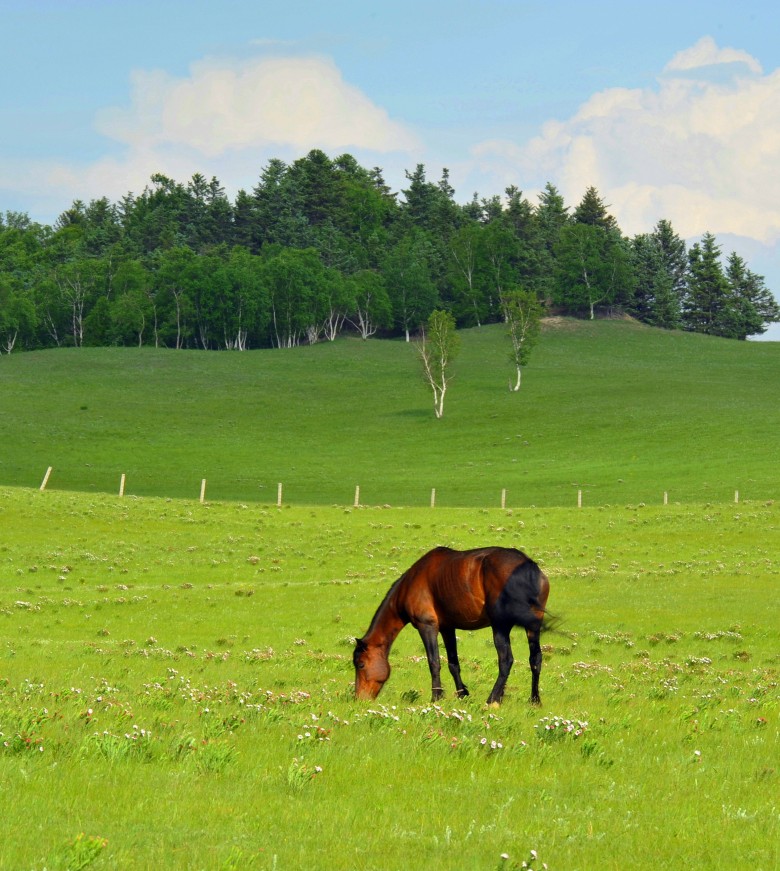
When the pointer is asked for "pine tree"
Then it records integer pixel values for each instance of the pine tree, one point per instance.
(754, 305)
(592, 211)
(706, 305)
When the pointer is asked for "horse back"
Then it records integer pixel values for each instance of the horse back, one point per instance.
(472, 589)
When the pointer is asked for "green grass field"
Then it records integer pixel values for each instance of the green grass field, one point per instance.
(621, 411)
(175, 691)
(175, 678)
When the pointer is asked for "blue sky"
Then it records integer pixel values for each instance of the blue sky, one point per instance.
(671, 109)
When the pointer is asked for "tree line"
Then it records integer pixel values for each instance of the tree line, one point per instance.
(321, 245)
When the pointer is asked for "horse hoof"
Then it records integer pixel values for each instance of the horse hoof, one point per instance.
(494, 704)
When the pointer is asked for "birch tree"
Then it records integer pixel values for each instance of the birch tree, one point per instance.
(438, 345)
(523, 316)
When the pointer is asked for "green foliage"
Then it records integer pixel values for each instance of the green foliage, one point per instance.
(162, 268)
(593, 268)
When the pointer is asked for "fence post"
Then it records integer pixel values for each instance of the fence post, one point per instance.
(122, 485)
(202, 491)
(45, 479)
(736, 496)
(579, 498)
(279, 495)
(503, 498)
(666, 498)
(433, 498)
(357, 495)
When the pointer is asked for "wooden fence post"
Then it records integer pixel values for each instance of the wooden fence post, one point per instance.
(203, 491)
(579, 498)
(279, 495)
(666, 498)
(736, 496)
(45, 479)
(503, 498)
(357, 496)
(433, 498)
(122, 485)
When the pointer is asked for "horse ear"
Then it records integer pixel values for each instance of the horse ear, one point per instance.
(360, 645)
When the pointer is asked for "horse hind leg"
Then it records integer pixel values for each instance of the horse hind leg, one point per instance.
(535, 662)
(451, 646)
(505, 661)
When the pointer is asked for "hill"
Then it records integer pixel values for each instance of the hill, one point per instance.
(621, 411)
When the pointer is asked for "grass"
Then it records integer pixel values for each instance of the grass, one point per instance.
(175, 691)
(621, 411)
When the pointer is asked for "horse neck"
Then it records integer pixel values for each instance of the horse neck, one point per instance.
(385, 626)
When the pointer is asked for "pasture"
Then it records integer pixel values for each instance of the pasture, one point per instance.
(620, 411)
(175, 690)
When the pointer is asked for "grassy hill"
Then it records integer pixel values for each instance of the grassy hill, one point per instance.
(619, 410)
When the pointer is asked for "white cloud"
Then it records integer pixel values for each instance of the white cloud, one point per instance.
(302, 102)
(700, 148)
(706, 53)
(224, 119)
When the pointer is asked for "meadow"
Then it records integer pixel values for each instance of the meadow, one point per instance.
(620, 411)
(176, 677)
(175, 691)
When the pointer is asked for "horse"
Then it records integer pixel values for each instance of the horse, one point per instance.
(446, 590)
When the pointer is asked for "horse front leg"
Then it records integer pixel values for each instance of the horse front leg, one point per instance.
(451, 646)
(505, 661)
(535, 662)
(429, 635)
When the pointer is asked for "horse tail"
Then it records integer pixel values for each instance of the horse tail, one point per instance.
(521, 599)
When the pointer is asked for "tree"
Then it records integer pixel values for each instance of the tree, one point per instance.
(551, 218)
(291, 278)
(17, 313)
(592, 211)
(176, 277)
(134, 305)
(79, 282)
(674, 257)
(523, 315)
(754, 305)
(654, 300)
(463, 247)
(437, 347)
(706, 306)
(408, 279)
(371, 304)
(593, 268)
(244, 305)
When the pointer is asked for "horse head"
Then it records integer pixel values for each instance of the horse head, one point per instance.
(371, 670)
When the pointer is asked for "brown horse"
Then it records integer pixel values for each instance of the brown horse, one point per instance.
(447, 590)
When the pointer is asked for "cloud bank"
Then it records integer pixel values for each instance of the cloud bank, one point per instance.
(700, 148)
(225, 119)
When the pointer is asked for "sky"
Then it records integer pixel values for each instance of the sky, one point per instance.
(670, 109)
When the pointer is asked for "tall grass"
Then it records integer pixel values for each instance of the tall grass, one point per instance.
(620, 411)
(175, 691)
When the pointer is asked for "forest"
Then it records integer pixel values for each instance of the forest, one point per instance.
(321, 246)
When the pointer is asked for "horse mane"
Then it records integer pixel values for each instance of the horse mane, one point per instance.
(382, 605)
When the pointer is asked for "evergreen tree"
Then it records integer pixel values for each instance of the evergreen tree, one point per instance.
(551, 217)
(674, 257)
(593, 211)
(707, 305)
(754, 305)
(654, 300)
